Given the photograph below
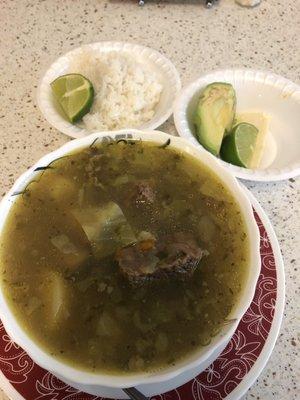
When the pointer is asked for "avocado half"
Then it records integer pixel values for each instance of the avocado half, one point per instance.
(214, 115)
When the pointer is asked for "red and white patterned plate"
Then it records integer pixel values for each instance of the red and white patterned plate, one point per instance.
(229, 376)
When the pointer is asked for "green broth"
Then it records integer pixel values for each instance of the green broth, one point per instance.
(75, 303)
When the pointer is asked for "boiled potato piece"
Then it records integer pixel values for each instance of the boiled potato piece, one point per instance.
(62, 188)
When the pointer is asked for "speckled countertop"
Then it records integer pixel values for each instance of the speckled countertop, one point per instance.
(197, 40)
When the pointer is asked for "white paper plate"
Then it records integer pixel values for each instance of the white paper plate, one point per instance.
(256, 90)
(164, 68)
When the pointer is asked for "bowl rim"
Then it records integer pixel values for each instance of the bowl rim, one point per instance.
(162, 62)
(181, 121)
(65, 370)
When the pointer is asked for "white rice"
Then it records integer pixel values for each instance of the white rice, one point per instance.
(126, 91)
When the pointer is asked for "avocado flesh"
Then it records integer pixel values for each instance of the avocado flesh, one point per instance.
(214, 115)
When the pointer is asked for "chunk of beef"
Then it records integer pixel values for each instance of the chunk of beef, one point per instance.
(141, 193)
(180, 254)
(175, 255)
(145, 192)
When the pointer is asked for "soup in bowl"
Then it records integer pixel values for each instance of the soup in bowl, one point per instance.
(126, 258)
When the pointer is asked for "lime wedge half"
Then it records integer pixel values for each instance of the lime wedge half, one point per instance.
(238, 147)
(75, 94)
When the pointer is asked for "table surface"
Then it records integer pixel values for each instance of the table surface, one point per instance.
(197, 40)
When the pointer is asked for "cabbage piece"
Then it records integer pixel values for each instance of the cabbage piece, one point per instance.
(106, 228)
(216, 191)
(34, 303)
(73, 256)
(161, 342)
(56, 298)
(63, 243)
(207, 229)
(145, 235)
(136, 363)
(143, 326)
(72, 247)
(108, 326)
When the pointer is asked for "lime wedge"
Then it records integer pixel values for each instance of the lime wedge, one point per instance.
(261, 121)
(75, 94)
(238, 147)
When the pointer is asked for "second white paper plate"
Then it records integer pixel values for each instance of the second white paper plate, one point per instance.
(261, 91)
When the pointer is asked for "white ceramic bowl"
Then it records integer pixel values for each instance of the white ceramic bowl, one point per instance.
(256, 90)
(164, 68)
(200, 357)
